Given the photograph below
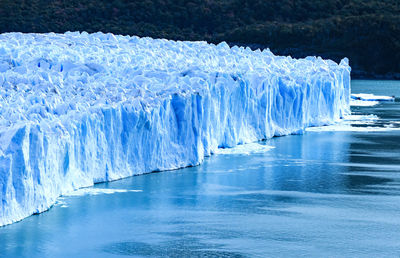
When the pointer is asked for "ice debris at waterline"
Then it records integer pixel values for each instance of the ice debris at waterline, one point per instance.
(368, 100)
(371, 97)
(357, 123)
(79, 108)
(363, 103)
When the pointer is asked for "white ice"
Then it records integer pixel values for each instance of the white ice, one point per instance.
(245, 149)
(371, 97)
(78, 108)
(97, 191)
(363, 103)
(356, 123)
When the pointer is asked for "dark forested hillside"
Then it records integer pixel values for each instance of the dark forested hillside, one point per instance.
(366, 31)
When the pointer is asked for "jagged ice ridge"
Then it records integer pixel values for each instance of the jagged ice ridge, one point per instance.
(79, 108)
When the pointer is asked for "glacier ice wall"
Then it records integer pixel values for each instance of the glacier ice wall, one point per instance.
(79, 108)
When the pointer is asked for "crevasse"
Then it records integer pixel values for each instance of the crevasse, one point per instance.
(79, 108)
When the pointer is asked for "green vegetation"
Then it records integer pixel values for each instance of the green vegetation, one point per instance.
(366, 31)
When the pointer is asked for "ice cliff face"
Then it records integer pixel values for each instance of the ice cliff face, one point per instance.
(78, 108)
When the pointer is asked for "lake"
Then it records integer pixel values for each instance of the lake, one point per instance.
(326, 193)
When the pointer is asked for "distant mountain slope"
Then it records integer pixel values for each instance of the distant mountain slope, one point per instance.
(366, 31)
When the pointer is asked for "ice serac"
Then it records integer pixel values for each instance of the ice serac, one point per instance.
(79, 108)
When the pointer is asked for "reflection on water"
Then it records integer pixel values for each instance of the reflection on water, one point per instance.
(318, 194)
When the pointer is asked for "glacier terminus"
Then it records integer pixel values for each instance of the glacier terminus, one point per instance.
(77, 108)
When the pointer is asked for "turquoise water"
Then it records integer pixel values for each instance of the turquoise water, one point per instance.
(321, 194)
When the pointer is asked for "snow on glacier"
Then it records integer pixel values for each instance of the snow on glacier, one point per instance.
(79, 108)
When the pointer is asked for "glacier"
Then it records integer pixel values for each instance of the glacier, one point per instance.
(78, 109)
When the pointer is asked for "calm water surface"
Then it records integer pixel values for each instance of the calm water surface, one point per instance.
(321, 194)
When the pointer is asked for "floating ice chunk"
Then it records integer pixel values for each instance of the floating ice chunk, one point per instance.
(352, 118)
(245, 149)
(371, 97)
(363, 103)
(97, 191)
(356, 123)
(350, 128)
